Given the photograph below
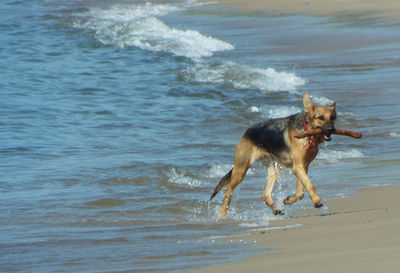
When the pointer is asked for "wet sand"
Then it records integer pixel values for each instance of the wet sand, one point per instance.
(389, 8)
(356, 234)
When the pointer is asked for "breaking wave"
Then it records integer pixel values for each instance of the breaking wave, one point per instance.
(138, 26)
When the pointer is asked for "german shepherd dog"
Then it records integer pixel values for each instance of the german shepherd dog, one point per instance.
(274, 141)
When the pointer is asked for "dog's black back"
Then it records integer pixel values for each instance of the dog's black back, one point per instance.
(270, 134)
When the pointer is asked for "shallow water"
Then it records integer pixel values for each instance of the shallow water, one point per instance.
(119, 118)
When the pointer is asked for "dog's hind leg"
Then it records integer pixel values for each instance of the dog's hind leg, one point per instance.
(273, 173)
(297, 196)
(245, 155)
(238, 174)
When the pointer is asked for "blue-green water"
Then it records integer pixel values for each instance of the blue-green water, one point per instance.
(118, 118)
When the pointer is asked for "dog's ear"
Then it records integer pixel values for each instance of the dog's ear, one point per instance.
(308, 104)
(333, 106)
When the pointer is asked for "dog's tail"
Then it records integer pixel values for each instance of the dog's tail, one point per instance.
(224, 181)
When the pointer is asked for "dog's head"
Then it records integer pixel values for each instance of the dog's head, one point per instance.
(322, 117)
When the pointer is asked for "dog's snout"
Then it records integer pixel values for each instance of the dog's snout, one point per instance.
(330, 129)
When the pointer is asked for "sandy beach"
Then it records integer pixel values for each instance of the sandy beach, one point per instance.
(357, 234)
(389, 8)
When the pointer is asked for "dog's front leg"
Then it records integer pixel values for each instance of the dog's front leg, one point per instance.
(300, 172)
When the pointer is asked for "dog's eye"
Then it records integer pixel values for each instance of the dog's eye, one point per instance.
(321, 118)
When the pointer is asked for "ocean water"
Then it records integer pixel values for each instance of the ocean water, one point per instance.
(118, 119)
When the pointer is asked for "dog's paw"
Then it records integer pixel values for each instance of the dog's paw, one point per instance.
(292, 199)
(318, 205)
(286, 201)
(278, 212)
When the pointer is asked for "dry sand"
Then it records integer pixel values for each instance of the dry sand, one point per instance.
(357, 235)
(377, 8)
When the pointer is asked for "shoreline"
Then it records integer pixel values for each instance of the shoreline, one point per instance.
(385, 8)
(357, 234)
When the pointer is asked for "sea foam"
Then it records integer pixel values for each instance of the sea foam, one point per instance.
(135, 25)
(241, 76)
(211, 173)
(335, 156)
(139, 26)
(276, 111)
(322, 100)
(180, 177)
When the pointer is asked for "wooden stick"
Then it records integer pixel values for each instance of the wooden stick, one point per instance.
(347, 133)
(317, 131)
